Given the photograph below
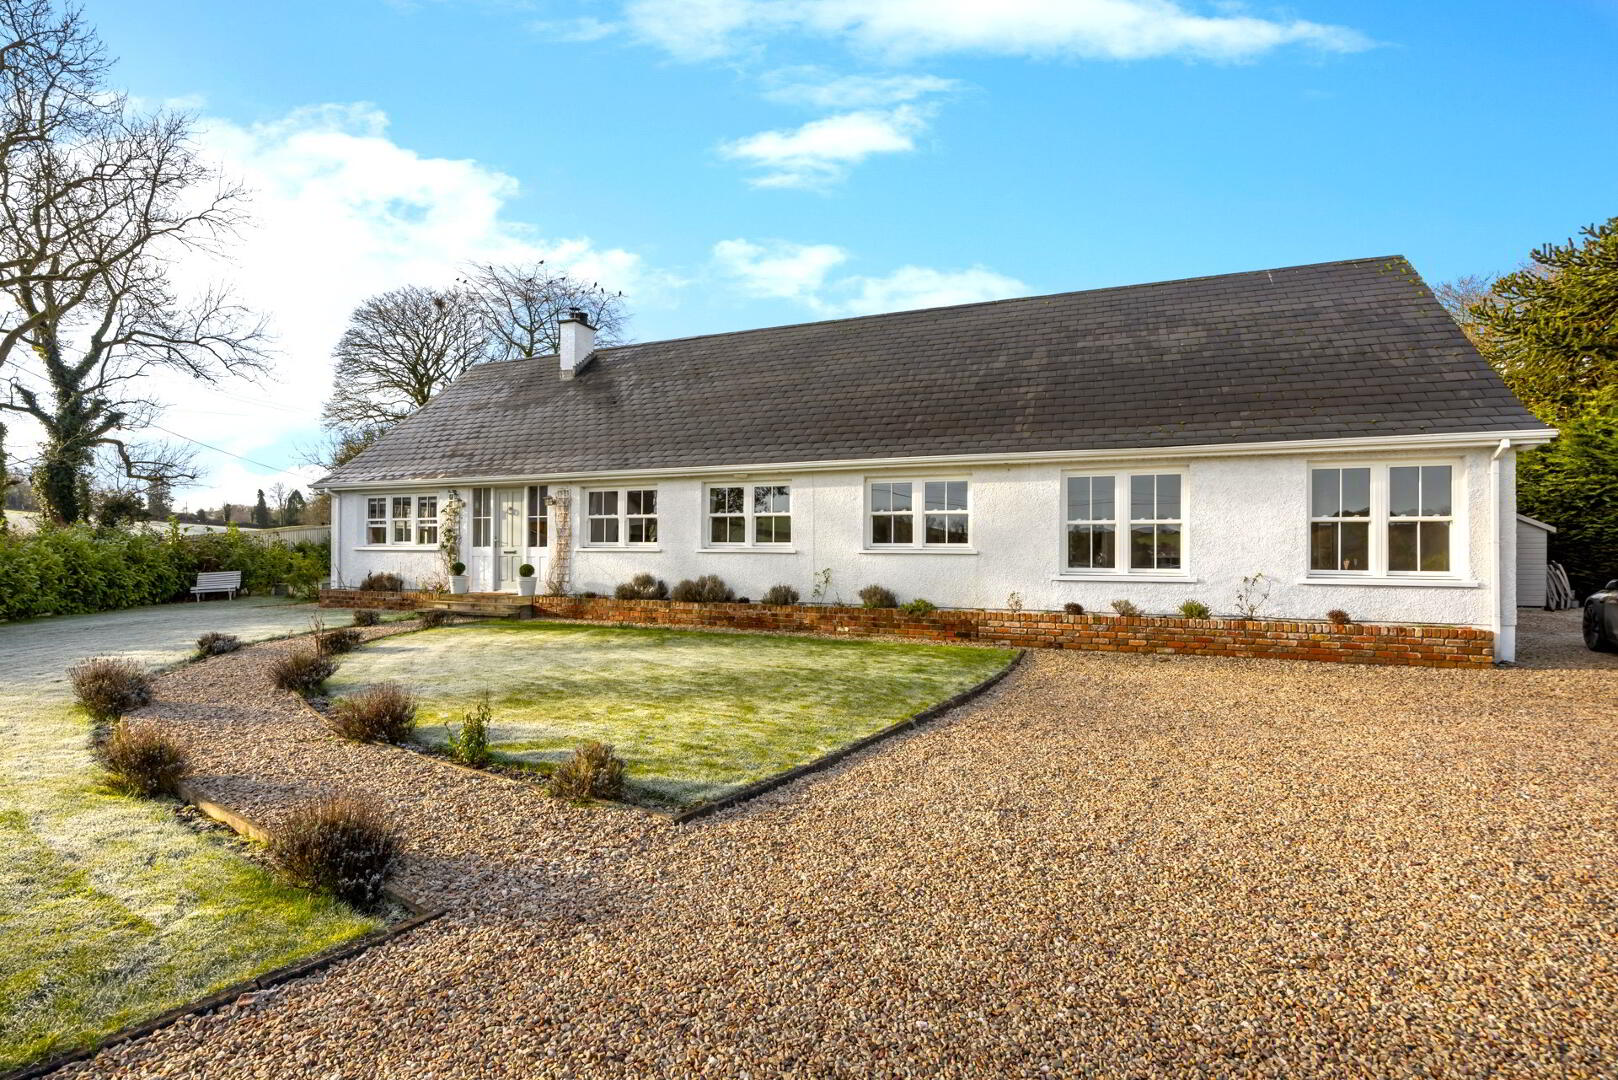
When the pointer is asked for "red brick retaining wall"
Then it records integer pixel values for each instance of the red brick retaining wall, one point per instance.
(1430, 646)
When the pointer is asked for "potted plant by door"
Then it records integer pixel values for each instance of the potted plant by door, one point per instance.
(525, 579)
(457, 578)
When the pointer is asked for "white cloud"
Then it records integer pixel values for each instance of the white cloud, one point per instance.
(583, 29)
(781, 270)
(341, 211)
(821, 152)
(908, 29)
(815, 88)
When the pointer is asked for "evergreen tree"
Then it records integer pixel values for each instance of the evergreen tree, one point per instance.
(224, 514)
(261, 511)
(1551, 330)
(292, 514)
(159, 500)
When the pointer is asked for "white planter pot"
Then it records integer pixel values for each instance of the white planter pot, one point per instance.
(457, 583)
(525, 585)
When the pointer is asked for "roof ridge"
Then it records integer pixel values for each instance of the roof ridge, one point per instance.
(991, 303)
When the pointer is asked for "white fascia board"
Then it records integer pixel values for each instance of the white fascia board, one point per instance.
(1376, 444)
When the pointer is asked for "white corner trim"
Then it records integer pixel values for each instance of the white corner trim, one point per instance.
(1400, 582)
(1164, 579)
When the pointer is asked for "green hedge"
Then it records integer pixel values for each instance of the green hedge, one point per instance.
(79, 569)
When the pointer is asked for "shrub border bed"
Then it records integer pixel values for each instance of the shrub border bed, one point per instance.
(219, 999)
(1276, 639)
(909, 723)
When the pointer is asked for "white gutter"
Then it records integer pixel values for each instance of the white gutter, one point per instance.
(1381, 444)
(1505, 643)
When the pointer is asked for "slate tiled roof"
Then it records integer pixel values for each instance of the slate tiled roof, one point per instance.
(1342, 349)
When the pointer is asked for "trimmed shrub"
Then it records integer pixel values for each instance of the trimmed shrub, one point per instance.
(385, 712)
(213, 643)
(593, 772)
(457, 569)
(642, 587)
(525, 570)
(142, 761)
(469, 742)
(366, 617)
(1127, 608)
(432, 618)
(1195, 609)
(382, 581)
(781, 595)
(1073, 609)
(707, 589)
(343, 846)
(302, 669)
(918, 606)
(1339, 617)
(109, 688)
(875, 596)
(344, 639)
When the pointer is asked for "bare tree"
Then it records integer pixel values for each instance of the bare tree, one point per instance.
(96, 204)
(521, 305)
(401, 347)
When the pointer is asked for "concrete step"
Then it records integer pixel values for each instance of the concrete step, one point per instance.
(505, 607)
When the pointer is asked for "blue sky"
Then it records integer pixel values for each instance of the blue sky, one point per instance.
(736, 163)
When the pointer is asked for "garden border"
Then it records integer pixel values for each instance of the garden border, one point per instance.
(309, 965)
(770, 783)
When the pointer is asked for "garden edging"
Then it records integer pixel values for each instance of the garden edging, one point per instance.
(1353, 643)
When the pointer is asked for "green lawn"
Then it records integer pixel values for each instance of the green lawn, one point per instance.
(111, 909)
(694, 715)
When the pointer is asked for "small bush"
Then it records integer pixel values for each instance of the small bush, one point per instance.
(432, 618)
(1014, 602)
(744, 599)
(457, 569)
(382, 581)
(385, 712)
(642, 587)
(1073, 609)
(109, 688)
(1195, 609)
(1339, 617)
(343, 846)
(1126, 608)
(302, 669)
(593, 772)
(213, 643)
(707, 589)
(366, 617)
(469, 743)
(918, 606)
(781, 595)
(142, 760)
(344, 639)
(525, 570)
(875, 596)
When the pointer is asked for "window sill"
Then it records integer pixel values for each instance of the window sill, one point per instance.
(919, 551)
(763, 549)
(395, 547)
(1398, 582)
(1166, 579)
(619, 547)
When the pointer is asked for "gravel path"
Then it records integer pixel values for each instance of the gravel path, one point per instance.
(1110, 865)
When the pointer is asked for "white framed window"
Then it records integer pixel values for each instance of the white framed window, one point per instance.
(1124, 522)
(1092, 523)
(943, 507)
(538, 518)
(749, 515)
(1378, 520)
(621, 517)
(403, 520)
(376, 519)
(427, 520)
(482, 517)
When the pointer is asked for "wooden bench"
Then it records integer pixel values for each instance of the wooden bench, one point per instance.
(228, 582)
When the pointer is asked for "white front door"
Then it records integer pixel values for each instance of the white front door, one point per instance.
(509, 543)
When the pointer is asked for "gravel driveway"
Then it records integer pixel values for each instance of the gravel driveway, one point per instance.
(1111, 865)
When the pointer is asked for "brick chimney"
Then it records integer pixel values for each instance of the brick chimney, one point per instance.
(576, 341)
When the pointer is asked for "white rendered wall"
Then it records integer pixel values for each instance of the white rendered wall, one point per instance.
(1243, 515)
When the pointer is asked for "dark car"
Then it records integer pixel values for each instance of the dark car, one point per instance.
(1601, 619)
